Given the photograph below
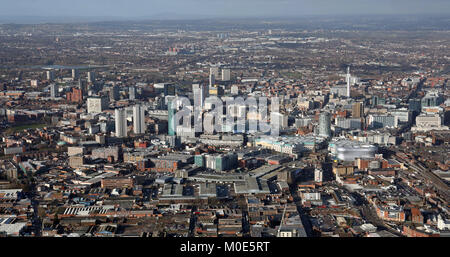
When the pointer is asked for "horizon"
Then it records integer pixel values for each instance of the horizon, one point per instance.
(24, 20)
(138, 10)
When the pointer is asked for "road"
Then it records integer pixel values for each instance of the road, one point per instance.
(245, 224)
(192, 222)
(303, 216)
(368, 213)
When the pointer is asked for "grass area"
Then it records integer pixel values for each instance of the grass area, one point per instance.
(26, 126)
(292, 75)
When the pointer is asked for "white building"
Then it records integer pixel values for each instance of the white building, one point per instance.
(425, 122)
(443, 224)
(121, 122)
(226, 75)
(428, 121)
(201, 92)
(318, 175)
(348, 78)
(279, 119)
(96, 104)
(234, 90)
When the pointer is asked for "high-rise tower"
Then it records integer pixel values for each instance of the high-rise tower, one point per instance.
(200, 92)
(54, 91)
(171, 112)
(348, 81)
(325, 124)
(121, 122)
(139, 119)
(212, 80)
(358, 110)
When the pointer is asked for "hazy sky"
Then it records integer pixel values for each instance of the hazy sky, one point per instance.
(206, 8)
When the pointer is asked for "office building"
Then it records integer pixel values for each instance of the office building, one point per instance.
(96, 104)
(218, 162)
(381, 121)
(358, 110)
(428, 122)
(403, 114)
(415, 105)
(348, 123)
(76, 96)
(226, 75)
(432, 98)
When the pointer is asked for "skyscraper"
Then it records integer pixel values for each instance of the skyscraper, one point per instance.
(54, 91)
(91, 76)
(348, 77)
(114, 93)
(171, 112)
(74, 74)
(226, 75)
(201, 92)
(138, 120)
(358, 110)
(121, 122)
(50, 75)
(325, 124)
(132, 93)
(212, 80)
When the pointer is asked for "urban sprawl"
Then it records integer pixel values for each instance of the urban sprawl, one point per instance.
(91, 145)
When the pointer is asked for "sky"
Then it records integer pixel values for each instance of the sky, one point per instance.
(160, 9)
